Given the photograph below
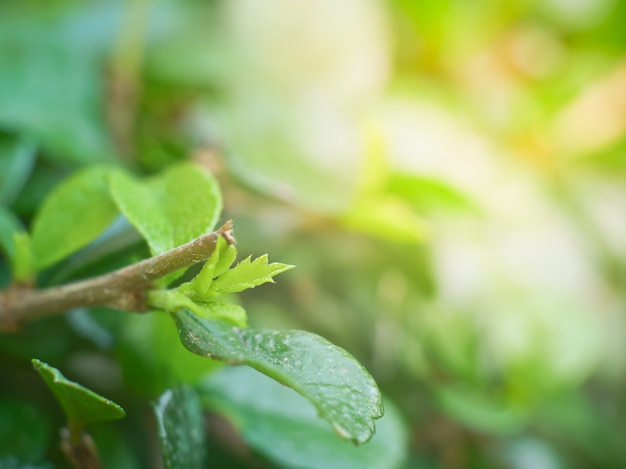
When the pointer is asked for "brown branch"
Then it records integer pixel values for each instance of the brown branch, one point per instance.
(123, 289)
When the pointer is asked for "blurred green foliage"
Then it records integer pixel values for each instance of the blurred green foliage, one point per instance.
(448, 177)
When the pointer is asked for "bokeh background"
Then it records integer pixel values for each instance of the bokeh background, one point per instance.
(448, 176)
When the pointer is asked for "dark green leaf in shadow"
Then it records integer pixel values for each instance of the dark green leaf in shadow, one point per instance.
(81, 405)
(152, 356)
(181, 429)
(73, 215)
(282, 425)
(24, 433)
(341, 389)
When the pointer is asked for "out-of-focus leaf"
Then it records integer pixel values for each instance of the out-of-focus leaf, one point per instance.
(426, 194)
(16, 164)
(341, 389)
(248, 274)
(9, 225)
(51, 87)
(480, 412)
(178, 206)
(74, 214)
(180, 428)
(81, 405)
(153, 358)
(386, 217)
(24, 433)
(11, 462)
(282, 425)
(15, 242)
(114, 447)
(525, 452)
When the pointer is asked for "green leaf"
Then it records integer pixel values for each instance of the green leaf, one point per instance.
(193, 201)
(284, 426)
(481, 412)
(174, 300)
(143, 208)
(178, 206)
(341, 389)
(15, 242)
(386, 217)
(72, 216)
(221, 259)
(81, 405)
(16, 164)
(180, 428)
(248, 274)
(426, 194)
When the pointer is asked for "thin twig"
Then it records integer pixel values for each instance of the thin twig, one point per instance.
(123, 289)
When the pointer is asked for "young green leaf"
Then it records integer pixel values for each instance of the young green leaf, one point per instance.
(143, 208)
(193, 201)
(81, 405)
(199, 288)
(15, 242)
(72, 216)
(174, 300)
(176, 207)
(181, 429)
(282, 425)
(339, 387)
(248, 274)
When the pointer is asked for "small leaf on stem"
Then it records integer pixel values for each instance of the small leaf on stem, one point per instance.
(81, 405)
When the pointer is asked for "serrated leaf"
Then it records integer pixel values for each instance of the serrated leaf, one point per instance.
(339, 387)
(72, 216)
(220, 260)
(282, 425)
(248, 274)
(172, 209)
(81, 405)
(180, 428)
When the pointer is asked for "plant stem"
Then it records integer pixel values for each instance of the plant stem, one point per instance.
(80, 450)
(124, 289)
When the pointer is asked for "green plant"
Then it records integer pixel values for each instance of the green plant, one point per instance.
(190, 276)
